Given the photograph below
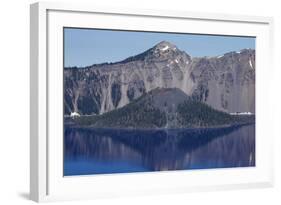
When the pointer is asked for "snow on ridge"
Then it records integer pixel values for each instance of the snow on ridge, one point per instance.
(219, 56)
(176, 61)
(165, 48)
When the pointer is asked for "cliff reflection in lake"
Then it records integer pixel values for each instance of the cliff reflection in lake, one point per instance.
(101, 151)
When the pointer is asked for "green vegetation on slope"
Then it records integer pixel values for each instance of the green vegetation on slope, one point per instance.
(134, 115)
(194, 113)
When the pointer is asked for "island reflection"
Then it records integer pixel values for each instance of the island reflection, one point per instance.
(96, 151)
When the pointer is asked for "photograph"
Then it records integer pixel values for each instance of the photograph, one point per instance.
(149, 101)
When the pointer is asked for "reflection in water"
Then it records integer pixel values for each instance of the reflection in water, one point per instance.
(99, 151)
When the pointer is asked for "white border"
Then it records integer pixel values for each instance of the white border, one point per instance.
(47, 21)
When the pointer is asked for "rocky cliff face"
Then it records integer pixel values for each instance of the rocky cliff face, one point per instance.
(225, 82)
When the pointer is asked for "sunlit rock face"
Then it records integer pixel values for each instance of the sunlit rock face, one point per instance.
(225, 82)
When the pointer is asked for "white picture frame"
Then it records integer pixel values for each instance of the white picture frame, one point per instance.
(46, 23)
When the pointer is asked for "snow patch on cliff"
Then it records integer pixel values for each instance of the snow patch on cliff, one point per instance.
(250, 63)
(165, 48)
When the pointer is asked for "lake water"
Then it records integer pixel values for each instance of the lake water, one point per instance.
(104, 151)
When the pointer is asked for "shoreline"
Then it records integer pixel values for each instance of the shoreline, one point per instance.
(160, 129)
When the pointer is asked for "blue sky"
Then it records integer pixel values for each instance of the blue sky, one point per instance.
(83, 47)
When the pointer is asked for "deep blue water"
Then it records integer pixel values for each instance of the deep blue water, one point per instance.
(103, 151)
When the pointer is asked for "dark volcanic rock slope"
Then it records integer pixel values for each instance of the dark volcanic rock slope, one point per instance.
(226, 83)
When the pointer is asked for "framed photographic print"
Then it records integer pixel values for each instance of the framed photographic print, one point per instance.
(127, 102)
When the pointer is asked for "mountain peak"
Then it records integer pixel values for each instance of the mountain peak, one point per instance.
(164, 45)
(160, 50)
